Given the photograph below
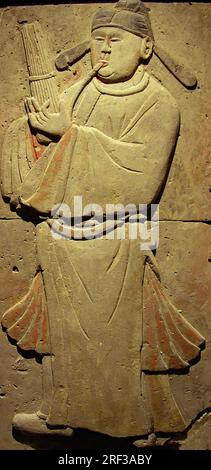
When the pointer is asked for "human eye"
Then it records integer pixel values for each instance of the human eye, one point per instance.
(99, 38)
(115, 39)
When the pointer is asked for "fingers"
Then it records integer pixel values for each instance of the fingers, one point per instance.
(32, 106)
(26, 105)
(33, 120)
(36, 119)
(38, 115)
(36, 122)
(41, 118)
(35, 104)
(45, 109)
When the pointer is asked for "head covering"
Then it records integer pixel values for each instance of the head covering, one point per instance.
(130, 15)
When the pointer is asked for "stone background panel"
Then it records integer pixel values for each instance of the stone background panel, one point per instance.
(184, 29)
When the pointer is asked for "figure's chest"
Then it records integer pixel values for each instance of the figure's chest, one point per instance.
(109, 114)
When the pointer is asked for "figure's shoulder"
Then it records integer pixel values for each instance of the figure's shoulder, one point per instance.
(70, 94)
(70, 90)
(164, 98)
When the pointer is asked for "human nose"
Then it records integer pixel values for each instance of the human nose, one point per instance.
(106, 48)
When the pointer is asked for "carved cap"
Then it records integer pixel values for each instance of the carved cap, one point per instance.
(130, 15)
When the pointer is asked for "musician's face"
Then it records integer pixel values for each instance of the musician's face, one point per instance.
(123, 52)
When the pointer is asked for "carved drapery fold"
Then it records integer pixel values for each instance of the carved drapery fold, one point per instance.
(170, 342)
(27, 322)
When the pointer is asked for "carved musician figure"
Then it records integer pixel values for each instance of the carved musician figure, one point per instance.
(96, 311)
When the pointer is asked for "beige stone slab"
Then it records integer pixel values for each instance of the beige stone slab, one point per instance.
(184, 30)
(20, 379)
(18, 259)
(183, 257)
(183, 254)
(5, 210)
(199, 435)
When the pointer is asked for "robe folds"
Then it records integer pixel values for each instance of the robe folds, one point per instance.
(97, 308)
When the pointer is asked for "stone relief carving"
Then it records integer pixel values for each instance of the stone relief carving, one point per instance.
(97, 312)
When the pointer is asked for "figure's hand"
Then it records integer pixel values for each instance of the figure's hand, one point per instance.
(42, 120)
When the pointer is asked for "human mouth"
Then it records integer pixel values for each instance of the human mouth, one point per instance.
(101, 64)
(104, 59)
(104, 63)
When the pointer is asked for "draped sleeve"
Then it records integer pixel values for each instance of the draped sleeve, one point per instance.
(90, 163)
(18, 157)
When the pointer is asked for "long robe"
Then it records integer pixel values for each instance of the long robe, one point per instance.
(98, 307)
